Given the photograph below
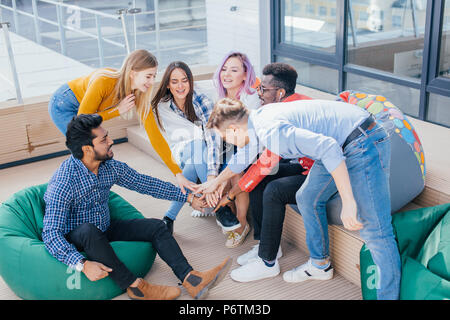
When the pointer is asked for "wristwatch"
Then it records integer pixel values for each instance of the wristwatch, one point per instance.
(229, 199)
(80, 265)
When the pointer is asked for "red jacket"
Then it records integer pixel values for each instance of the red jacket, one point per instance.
(268, 160)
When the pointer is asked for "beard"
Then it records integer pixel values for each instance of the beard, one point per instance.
(105, 157)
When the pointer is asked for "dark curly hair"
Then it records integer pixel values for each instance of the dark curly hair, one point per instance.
(284, 76)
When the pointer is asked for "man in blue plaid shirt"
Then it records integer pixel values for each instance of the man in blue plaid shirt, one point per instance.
(77, 217)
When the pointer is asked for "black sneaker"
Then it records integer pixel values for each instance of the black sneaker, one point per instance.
(227, 219)
(169, 223)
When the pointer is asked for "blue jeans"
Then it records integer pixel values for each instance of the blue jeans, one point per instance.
(368, 161)
(63, 106)
(194, 166)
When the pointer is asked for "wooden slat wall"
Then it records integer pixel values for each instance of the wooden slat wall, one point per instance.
(27, 131)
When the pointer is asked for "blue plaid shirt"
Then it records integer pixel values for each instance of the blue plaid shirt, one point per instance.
(203, 108)
(76, 195)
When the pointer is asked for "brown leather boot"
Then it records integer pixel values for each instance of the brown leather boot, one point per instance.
(198, 283)
(147, 291)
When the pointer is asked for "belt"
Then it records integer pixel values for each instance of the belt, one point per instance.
(368, 124)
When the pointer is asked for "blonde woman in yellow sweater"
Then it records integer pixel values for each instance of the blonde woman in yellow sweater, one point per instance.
(112, 93)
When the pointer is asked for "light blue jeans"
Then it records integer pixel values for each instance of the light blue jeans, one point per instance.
(368, 164)
(62, 107)
(194, 165)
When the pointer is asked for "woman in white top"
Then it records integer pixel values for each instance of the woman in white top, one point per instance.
(182, 115)
(234, 79)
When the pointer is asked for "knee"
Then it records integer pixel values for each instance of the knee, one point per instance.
(274, 191)
(304, 201)
(157, 228)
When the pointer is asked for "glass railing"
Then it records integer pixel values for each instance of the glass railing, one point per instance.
(101, 33)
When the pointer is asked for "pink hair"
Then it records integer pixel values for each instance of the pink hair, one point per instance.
(248, 68)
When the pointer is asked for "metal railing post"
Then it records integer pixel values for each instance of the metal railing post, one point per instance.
(62, 32)
(157, 29)
(413, 16)
(12, 64)
(15, 17)
(134, 11)
(134, 25)
(122, 13)
(99, 41)
(36, 22)
(352, 26)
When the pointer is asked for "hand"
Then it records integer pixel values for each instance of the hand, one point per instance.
(185, 183)
(348, 215)
(198, 204)
(95, 270)
(126, 104)
(208, 187)
(222, 187)
(211, 198)
(222, 203)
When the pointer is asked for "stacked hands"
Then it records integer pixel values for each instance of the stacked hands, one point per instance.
(210, 195)
(207, 195)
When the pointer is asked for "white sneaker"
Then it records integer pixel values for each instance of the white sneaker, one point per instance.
(308, 272)
(207, 212)
(255, 270)
(253, 254)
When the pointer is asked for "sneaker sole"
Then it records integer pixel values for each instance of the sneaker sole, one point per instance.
(204, 215)
(260, 278)
(219, 277)
(228, 228)
(311, 278)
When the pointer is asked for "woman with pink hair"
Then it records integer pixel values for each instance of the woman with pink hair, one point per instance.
(234, 79)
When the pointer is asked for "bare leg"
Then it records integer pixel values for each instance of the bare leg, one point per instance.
(242, 203)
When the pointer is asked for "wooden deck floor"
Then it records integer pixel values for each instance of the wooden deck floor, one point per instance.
(200, 239)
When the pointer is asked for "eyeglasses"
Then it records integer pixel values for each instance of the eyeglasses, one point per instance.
(262, 89)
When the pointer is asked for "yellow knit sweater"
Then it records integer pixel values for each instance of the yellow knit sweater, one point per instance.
(99, 98)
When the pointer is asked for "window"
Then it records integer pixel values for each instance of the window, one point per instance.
(444, 59)
(386, 37)
(396, 48)
(406, 99)
(438, 109)
(314, 76)
(307, 28)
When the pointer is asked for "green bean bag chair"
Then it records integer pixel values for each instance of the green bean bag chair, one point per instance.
(32, 273)
(423, 237)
